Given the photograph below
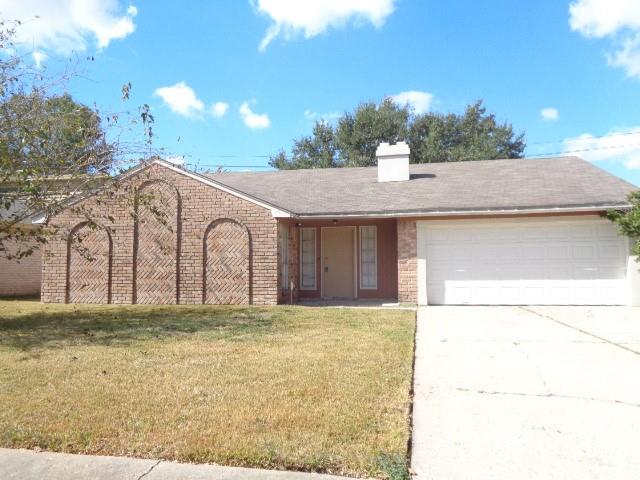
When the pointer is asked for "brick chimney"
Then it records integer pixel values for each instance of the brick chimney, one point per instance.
(393, 162)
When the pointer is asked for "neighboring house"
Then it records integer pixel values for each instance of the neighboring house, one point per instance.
(22, 277)
(482, 232)
(19, 278)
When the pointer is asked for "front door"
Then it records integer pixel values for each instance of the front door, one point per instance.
(338, 276)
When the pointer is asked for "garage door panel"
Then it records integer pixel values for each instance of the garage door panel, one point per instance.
(606, 232)
(582, 252)
(611, 251)
(534, 251)
(550, 262)
(448, 253)
(584, 232)
(558, 252)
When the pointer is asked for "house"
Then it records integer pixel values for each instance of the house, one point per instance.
(22, 276)
(18, 277)
(482, 232)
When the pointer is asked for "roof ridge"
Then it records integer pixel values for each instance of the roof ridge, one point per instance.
(339, 168)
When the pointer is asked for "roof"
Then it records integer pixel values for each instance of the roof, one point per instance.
(436, 188)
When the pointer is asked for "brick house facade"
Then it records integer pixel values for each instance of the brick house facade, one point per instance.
(434, 236)
(208, 246)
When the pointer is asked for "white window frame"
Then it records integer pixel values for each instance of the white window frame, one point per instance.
(284, 257)
(315, 267)
(375, 256)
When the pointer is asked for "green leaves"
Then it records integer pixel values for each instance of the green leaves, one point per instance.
(433, 137)
(629, 221)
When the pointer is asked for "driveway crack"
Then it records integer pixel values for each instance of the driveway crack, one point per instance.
(585, 332)
(148, 470)
(548, 395)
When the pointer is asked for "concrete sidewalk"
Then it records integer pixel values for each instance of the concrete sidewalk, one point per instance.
(30, 465)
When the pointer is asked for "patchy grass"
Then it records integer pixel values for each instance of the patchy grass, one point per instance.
(283, 387)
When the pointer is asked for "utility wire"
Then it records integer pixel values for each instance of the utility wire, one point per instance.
(564, 152)
(590, 137)
(538, 155)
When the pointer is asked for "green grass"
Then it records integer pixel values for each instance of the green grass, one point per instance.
(282, 387)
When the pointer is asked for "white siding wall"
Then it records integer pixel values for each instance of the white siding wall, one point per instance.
(21, 278)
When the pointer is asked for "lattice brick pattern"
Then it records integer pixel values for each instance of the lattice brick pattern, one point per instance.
(227, 264)
(156, 281)
(89, 267)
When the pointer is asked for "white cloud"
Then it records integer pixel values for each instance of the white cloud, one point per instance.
(253, 120)
(39, 57)
(313, 17)
(420, 102)
(549, 114)
(219, 109)
(63, 26)
(618, 20)
(620, 145)
(311, 115)
(628, 56)
(181, 99)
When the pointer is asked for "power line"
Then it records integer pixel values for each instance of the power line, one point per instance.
(590, 137)
(200, 165)
(564, 152)
(238, 156)
(538, 155)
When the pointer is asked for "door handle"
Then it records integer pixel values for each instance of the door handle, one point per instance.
(326, 269)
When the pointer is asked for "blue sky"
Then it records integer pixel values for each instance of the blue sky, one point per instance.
(274, 66)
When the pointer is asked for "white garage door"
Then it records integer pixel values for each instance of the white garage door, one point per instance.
(579, 261)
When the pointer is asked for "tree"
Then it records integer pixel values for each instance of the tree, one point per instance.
(315, 151)
(53, 135)
(52, 147)
(629, 221)
(474, 135)
(358, 134)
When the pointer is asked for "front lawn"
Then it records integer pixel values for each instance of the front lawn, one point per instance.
(283, 387)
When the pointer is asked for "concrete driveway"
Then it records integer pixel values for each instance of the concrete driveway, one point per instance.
(527, 393)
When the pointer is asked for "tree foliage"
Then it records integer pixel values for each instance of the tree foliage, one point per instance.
(628, 221)
(51, 135)
(52, 147)
(432, 137)
(315, 151)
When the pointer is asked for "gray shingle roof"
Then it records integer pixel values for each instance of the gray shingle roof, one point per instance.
(437, 187)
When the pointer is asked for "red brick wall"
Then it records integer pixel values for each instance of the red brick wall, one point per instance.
(196, 207)
(407, 261)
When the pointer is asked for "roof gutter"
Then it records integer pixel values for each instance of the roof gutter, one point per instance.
(444, 213)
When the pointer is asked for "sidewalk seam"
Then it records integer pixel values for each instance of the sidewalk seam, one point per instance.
(148, 470)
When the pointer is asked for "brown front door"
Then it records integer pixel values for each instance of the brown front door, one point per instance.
(338, 277)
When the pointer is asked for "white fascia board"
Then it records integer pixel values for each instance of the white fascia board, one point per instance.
(275, 211)
(442, 213)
